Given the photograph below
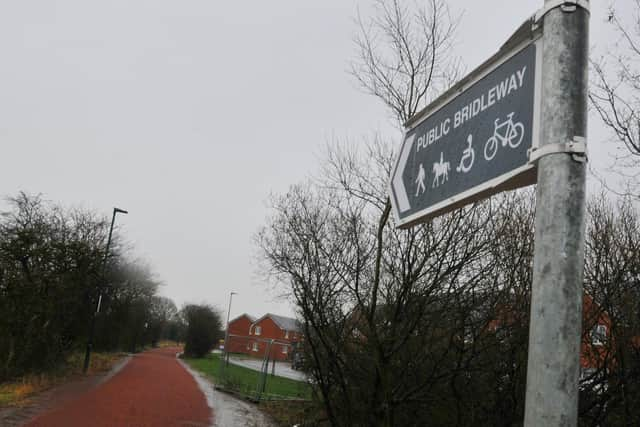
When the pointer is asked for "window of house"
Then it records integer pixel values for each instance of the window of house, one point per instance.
(502, 332)
(599, 335)
(285, 349)
(257, 330)
(248, 346)
(255, 346)
(286, 334)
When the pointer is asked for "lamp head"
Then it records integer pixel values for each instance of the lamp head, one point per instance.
(118, 210)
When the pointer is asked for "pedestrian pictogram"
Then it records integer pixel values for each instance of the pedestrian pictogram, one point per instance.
(420, 180)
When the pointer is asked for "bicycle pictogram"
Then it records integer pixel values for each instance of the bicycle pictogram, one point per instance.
(468, 156)
(506, 132)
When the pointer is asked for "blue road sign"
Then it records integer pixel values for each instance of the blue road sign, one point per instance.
(472, 142)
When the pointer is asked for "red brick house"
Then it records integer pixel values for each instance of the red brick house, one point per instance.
(253, 336)
(595, 349)
(278, 331)
(595, 353)
(239, 333)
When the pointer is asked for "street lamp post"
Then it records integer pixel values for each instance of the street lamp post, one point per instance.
(226, 335)
(87, 354)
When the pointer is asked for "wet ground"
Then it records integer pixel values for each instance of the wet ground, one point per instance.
(153, 389)
(149, 389)
(14, 416)
(229, 410)
(283, 369)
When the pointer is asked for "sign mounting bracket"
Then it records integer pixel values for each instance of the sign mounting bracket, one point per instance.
(566, 5)
(577, 148)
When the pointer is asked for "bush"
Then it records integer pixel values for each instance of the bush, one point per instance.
(204, 329)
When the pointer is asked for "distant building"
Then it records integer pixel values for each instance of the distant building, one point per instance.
(595, 351)
(279, 334)
(278, 331)
(239, 333)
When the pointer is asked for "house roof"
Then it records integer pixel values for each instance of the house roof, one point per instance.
(248, 316)
(284, 323)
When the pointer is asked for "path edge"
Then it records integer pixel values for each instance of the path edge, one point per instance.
(215, 400)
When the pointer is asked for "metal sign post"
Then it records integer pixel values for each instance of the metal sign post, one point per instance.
(556, 301)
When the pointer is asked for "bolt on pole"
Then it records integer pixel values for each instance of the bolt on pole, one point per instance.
(556, 296)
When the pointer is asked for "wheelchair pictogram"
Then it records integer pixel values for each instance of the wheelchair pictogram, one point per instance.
(468, 156)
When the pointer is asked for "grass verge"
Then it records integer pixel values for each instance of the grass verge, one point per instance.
(245, 381)
(18, 392)
(287, 401)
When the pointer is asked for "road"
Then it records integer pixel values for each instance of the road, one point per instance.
(283, 369)
(153, 389)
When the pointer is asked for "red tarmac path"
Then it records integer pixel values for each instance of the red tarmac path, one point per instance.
(153, 389)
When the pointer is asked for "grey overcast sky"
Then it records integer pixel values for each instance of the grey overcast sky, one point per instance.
(189, 113)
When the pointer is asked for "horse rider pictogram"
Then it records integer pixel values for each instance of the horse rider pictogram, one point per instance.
(440, 170)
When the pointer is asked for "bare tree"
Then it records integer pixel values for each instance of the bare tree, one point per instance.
(427, 325)
(388, 313)
(51, 263)
(610, 392)
(615, 93)
(404, 54)
(384, 309)
(49, 259)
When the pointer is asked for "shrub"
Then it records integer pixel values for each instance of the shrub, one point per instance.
(204, 329)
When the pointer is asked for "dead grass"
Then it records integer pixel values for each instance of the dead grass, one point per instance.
(18, 392)
(167, 343)
(100, 362)
(288, 413)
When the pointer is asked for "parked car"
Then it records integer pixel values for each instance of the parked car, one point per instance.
(298, 361)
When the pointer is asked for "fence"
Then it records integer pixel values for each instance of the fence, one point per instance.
(260, 369)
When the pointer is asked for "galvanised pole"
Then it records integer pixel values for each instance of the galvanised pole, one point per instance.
(556, 300)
